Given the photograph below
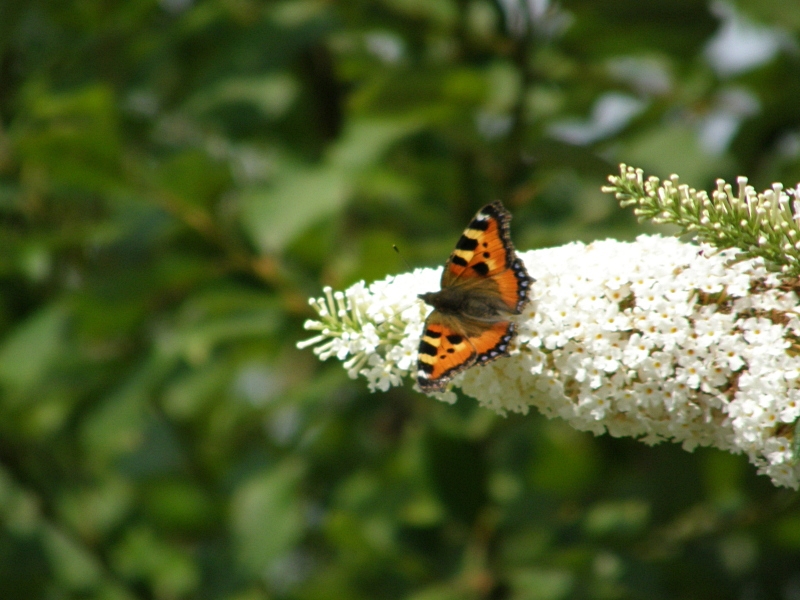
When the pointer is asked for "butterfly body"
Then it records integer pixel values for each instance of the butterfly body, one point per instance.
(469, 303)
(484, 285)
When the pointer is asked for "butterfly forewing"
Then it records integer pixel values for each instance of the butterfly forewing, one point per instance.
(513, 285)
(483, 249)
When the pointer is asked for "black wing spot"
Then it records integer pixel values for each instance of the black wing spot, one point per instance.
(450, 350)
(486, 255)
(481, 268)
(455, 339)
(426, 348)
(426, 368)
(466, 243)
(479, 224)
(459, 261)
(433, 334)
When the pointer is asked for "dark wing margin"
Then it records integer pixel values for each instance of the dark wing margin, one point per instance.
(494, 342)
(515, 295)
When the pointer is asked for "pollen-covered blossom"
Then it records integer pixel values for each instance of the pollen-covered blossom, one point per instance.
(655, 339)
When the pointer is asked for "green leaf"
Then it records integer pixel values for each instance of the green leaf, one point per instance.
(272, 94)
(71, 136)
(218, 317)
(621, 517)
(143, 556)
(117, 425)
(365, 141)
(194, 177)
(542, 584)
(32, 348)
(675, 149)
(95, 510)
(190, 392)
(266, 517)
(74, 566)
(178, 506)
(275, 215)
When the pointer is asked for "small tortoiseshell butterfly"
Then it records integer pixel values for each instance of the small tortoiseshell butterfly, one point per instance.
(484, 285)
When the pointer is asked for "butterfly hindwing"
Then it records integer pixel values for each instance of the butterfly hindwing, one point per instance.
(443, 352)
(494, 341)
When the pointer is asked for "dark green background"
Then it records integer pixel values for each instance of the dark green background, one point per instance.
(177, 178)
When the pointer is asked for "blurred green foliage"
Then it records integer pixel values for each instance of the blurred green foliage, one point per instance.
(177, 177)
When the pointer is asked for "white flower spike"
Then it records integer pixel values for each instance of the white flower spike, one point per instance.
(655, 339)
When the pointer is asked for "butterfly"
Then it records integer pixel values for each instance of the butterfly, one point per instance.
(484, 285)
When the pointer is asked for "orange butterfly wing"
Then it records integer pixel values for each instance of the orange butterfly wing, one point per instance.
(482, 268)
(444, 352)
(485, 250)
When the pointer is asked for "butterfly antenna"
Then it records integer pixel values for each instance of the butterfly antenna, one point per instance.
(396, 249)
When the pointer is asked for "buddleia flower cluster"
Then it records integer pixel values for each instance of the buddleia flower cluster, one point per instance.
(763, 224)
(374, 330)
(655, 339)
